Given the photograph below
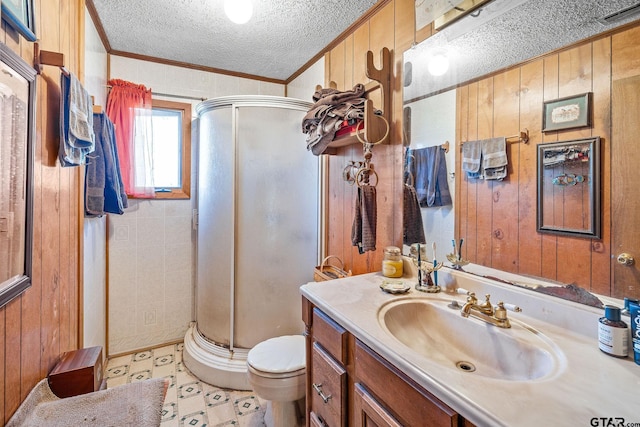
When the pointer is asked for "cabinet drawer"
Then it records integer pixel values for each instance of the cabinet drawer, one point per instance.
(409, 403)
(330, 335)
(369, 412)
(328, 388)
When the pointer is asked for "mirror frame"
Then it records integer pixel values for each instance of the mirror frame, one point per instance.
(16, 285)
(594, 230)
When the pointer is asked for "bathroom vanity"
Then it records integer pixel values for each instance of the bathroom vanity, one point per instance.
(380, 359)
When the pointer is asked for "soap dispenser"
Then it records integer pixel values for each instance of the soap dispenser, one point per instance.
(613, 333)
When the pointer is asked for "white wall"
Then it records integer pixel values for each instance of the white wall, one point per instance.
(433, 121)
(94, 278)
(151, 246)
(303, 86)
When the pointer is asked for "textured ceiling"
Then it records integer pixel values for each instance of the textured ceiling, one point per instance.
(280, 38)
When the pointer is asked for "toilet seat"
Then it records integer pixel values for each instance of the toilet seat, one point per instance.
(279, 357)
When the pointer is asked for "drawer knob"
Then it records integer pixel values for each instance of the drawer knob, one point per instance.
(318, 389)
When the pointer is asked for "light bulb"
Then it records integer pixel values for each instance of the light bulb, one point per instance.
(438, 65)
(238, 11)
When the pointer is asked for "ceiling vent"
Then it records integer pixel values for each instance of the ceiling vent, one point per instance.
(620, 15)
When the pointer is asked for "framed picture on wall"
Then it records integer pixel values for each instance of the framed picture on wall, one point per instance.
(567, 113)
(19, 14)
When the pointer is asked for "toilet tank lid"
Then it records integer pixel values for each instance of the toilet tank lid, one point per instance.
(280, 354)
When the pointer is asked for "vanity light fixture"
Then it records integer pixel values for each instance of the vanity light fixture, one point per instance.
(238, 11)
(438, 64)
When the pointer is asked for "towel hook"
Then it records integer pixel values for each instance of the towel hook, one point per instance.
(364, 141)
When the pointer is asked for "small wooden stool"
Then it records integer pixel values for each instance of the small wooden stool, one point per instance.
(78, 372)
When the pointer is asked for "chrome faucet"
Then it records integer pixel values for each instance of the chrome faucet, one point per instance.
(486, 312)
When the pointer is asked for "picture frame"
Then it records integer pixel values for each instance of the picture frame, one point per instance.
(568, 188)
(19, 14)
(17, 107)
(567, 113)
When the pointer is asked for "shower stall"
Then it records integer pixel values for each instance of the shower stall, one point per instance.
(258, 231)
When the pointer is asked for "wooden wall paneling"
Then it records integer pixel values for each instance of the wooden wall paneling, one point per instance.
(49, 96)
(549, 241)
(625, 58)
(405, 29)
(31, 357)
(67, 26)
(485, 188)
(529, 242)
(336, 192)
(506, 122)
(461, 185)
(12, 381)
(574, 254)
(600, 249)
(360, 263)
(386, 156)
(470, 246)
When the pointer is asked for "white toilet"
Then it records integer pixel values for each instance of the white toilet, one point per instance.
(276, 371)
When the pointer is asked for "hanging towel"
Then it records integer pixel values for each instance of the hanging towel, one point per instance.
(429, 168)
(471, 157)
(76, 122)
(413, 228)
(494, 158)
(104, 191)
(363, 231)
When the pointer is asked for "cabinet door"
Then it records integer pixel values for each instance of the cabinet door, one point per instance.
(328, 388)
(368, 412)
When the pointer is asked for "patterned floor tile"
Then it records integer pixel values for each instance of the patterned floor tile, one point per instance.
(189, 401)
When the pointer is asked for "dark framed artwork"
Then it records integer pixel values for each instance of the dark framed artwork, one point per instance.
(569, 188)
(567, 113)
(19, 14)
(17, 133)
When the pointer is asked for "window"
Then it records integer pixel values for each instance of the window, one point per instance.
(171, 124)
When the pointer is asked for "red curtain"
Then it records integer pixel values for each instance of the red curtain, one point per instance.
(129, 108)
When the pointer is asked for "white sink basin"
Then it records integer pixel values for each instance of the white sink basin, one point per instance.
(439, 333)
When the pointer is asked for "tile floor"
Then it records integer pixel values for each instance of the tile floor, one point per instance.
(189, 402)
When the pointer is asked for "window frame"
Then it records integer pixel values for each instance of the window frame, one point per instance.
(185, 108)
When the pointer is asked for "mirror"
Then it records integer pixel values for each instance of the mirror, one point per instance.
(500, 85)
(569, 188)
(17, 96)
(506, 32)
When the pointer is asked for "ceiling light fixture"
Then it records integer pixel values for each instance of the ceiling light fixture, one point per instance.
(238, 11)
(438, 64)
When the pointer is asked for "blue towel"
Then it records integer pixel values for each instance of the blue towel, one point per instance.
(104, 191)
(429, 168)
(77, 138)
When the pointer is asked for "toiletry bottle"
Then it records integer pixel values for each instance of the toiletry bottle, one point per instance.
(392, 262)
(634, 312)
(613, 333)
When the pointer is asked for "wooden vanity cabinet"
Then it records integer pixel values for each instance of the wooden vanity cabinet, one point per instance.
(348, 384)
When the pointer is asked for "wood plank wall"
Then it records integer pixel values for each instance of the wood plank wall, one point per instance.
(392, 26)
(498, 219)
(42, 323)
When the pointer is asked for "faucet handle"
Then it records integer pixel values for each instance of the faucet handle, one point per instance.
(462, 291)
(511, 307)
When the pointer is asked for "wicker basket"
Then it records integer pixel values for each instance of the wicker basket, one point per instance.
(326, 271)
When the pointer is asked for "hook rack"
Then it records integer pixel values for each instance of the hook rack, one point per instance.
(45, 57)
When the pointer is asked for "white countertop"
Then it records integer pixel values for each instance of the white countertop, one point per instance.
(587, 383)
